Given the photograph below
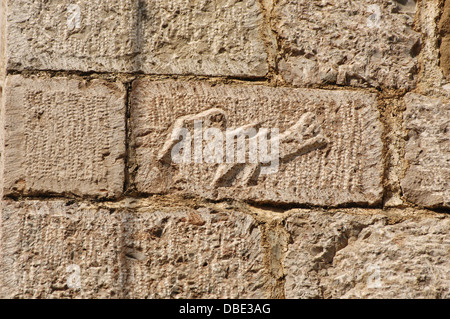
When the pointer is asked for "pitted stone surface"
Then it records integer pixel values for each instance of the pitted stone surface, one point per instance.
(398, 254)
(194, 254)
(63, 136)
(2, 41)
(122, 213)
(220, 37)
(358, 43)
(427, 180)
(330, 142)
(58, 249)
(444, 29)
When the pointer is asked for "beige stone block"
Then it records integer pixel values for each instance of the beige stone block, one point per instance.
(431, 78)
(63, 136)
(444, 29)
(2, 42)
(58, 249)
(427, 179)
(368, 254)
(358, 43)
(330, 148)
(2, 80)
(220, 37)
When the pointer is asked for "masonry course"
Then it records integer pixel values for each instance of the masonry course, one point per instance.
(217, 38)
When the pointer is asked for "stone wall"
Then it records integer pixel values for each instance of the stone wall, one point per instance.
(94, 204)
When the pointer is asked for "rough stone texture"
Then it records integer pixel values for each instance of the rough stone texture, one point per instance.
(63, 136)
(431, 79)
(145, 252)
(360, 43)
(220, 37)
(331, 152)
(427, 180)
(444, 28)
(2, 41)
(2, 79)
(119, 216)
(361, 254)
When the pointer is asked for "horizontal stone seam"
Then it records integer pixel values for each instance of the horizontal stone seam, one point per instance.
(266, 81)
(245, 207)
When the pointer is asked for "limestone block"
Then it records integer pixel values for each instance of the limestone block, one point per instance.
(431, 77)
(330, 148)
(360, 43)
(368, 254)
(2, 41)
(189, 253)
(2, 80)
(58, 249)
(444, 28)
(63, 136)
(220, 37)
(427, 179)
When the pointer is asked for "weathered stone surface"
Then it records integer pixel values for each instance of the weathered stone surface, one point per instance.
(221, 37)
(427, 180)
(2, 79)
(362, 254)
(431, 78)
(361, 43)
(2, 41)
(56, 249)
(63, 136)
(330, 142)
(444, 28)
(44, 243)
